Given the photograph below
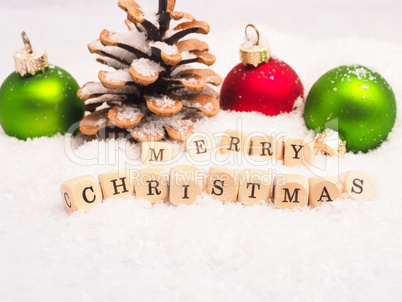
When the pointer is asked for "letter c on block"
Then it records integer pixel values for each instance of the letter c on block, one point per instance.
(66, 197)
(84, 194)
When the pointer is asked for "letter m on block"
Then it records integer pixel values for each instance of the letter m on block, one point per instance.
(292, 198)
(154, 156)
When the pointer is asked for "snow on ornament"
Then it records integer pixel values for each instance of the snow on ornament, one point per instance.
(354, 101)
(260, 83)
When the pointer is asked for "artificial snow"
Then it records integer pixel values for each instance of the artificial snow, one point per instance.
(186, 55)
(133, 38)
(163, 101)
(118, 76)
(129, 112)
(92, 88)
(146, 67)
(166, 48)
(125, 250)
(150, 125)
(117, 52)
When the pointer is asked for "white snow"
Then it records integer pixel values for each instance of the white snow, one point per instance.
(150, 14)
(133, 38)
(129, 112)
(166, 48)
(146, 67)
(118, 76)
(125, 250)
(115, 51)
(97, 88)
(149, 126)
(163, 102)
(186, 55)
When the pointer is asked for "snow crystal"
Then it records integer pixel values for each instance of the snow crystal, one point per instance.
(166, 48)
(194, 81)
(93, 88)
(118, 76)
(151, 15)
(149, 126)
(97, 123)
(147, 67)
(129, 112)
(362, 73)
(114, 51)
(98, 88)
(179, 122)
(186, 55)
(114, 63)
(133, 38)
(163, 102)
(207, 106)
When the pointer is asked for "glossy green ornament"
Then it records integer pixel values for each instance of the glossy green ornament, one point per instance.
(42, 104)
(356, 102)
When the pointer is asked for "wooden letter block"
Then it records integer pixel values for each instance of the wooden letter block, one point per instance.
(267, 146)
(152, 152)
(116, 184)
(152, 184)
(323, 189)
(235, 141)
(223, 184)
(298, 152)
(280, 147)
(290, 191)
(200, 144)
(255, 187)
(360, 185)
(186, 183)
(81, 193)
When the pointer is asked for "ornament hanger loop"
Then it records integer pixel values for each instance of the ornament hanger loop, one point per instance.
(256, 30)
(27, 43)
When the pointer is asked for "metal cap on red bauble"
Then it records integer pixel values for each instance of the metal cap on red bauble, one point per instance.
(260, 83)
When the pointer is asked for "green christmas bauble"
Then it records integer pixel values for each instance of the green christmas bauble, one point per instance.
(356, 102)
(39, 105)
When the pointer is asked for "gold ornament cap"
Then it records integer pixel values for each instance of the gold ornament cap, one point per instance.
(254, 54)
(329, 143)
(30, 60)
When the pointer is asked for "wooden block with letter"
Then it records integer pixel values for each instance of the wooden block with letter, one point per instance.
(222, 184)
(280, 147)
(290, 191)
(235, 141)
(298, 152)
(81, 193)
(200, 144)
(186, 184)
(323, 189)
(116, 183)
(152, 152)
(268, 146)
(255, 187)
(360, 185)
(151, 184)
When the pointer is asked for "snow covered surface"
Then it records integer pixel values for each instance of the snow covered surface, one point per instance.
(129, 250)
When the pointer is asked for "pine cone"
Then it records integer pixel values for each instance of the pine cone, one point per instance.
(153, 88)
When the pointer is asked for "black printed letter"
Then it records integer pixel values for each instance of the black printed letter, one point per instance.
(359, 186)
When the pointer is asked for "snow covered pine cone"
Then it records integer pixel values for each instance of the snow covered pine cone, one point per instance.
(152, 87)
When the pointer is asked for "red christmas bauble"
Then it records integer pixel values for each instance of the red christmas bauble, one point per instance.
(271, 88)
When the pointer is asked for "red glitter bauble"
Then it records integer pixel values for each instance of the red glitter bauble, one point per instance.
(271, 88)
